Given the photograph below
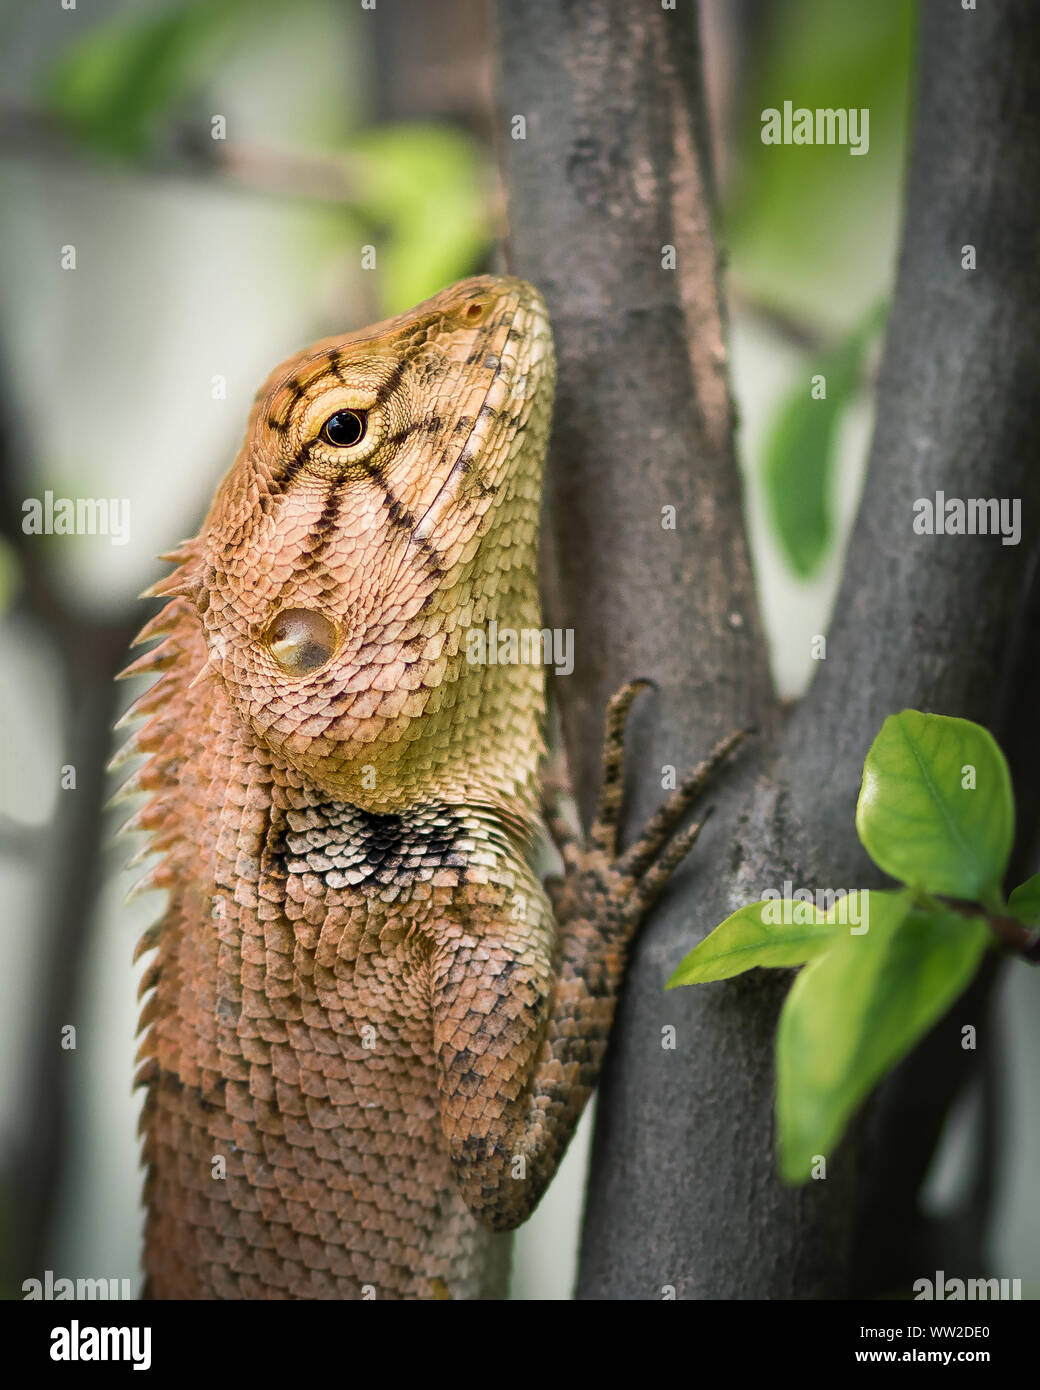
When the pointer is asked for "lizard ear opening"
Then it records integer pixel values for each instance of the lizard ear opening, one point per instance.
(300, 640)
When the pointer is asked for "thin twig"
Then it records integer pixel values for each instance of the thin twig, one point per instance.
(280, 171)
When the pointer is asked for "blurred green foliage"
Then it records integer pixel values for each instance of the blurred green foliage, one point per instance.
(115, 83)
(810, 227)
(801, 453)
(811, 232)
(423, 188)
(425, 184)
(8, 576)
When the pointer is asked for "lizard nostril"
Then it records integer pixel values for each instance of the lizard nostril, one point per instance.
(300, 640)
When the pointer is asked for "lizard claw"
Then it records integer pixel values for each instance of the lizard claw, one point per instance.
(604, 832)
(648, 864)
(651, 843)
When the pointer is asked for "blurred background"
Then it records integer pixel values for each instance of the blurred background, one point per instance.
(191, 190)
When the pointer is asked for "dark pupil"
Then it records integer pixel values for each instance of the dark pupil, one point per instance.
(344, 428)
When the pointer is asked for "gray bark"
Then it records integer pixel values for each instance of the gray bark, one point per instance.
(432, 62)
(683, 1188)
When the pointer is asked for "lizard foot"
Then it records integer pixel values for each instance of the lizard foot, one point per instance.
(613, 889)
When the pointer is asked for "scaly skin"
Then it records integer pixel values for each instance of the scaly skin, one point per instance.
(371, 1032)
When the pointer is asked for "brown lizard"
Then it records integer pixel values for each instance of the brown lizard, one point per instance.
(371, 1028)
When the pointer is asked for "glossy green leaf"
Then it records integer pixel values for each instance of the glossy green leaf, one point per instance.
(856, 1010)
(1024, 902)
(751, 936)
(936, 809)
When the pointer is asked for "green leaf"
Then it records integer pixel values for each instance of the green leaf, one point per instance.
(427, 186)
(748, 938)
(856, 1010)
(113, 83)
(801, 453)
(936, 809)
(1024, 902)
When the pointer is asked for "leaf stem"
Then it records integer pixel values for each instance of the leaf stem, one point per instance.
(1012, 934)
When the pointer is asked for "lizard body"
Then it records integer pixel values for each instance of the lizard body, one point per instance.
(371, 1028)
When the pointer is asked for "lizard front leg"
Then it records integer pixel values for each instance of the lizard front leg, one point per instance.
(523, 1008)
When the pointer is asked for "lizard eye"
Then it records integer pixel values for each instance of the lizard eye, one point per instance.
(345, 428)
(300, 640)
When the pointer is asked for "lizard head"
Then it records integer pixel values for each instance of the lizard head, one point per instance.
(385, 502)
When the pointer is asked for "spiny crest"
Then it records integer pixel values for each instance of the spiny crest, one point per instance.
(156, 740)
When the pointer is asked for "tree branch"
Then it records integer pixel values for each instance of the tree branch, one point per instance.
(611, 173)
(943, 623)
(278, 171)
(683, 1189)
